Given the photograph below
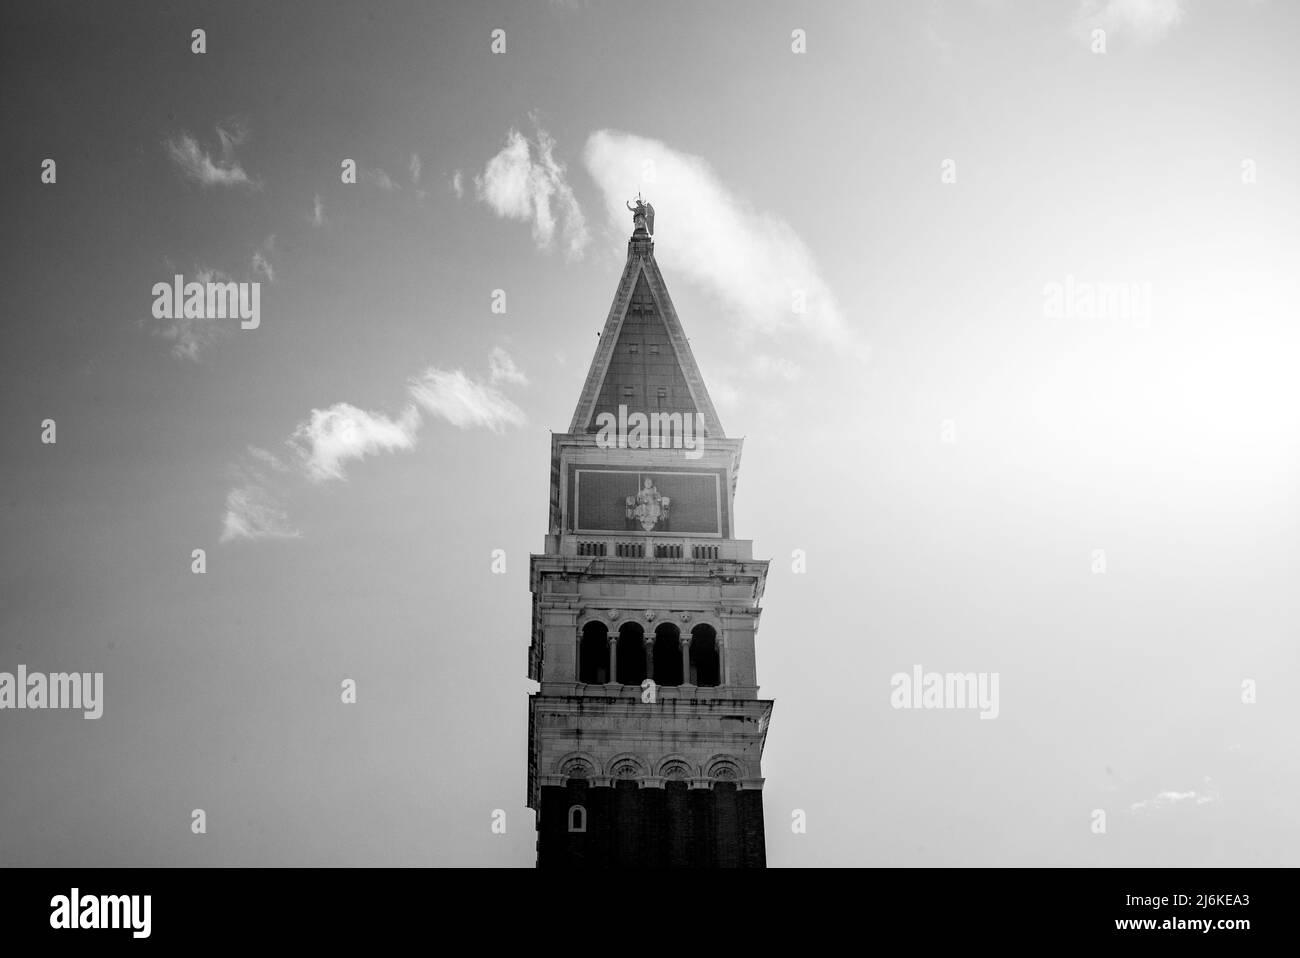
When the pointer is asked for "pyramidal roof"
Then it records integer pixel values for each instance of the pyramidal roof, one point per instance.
(643, 361)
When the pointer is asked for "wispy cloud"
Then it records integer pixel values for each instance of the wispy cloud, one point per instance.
(525, 182)
(1145, 21)
(377, 177)
(202, 167)
(1169, 798)
(191, 336)
(415, 167)
(463, 402)
(317, 217)
(768, 366)
(331, 437)
(262, 260)
(253, 513)
(502, 368)
(467, 403)
(751, 260)
(458, 184)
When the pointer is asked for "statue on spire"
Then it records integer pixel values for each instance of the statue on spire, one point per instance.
(643, 215)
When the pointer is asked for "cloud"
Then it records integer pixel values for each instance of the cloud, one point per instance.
(252, 513)
(525, 182)
(1170, 798)
(200, 166)
(453, 396)
(1145, 21)
(769, 366)
(317, 217)
(502, 368)
(333, 436)
(724, 391)
(262, 262)
(192, 336)
(377, 177)
(458, 184)
(322, 445)
(268, 459)
(415, 166)
(752, 261)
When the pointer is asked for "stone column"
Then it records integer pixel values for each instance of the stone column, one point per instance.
(685, 640)
(649, 657)
(613, 658)
(722, 660)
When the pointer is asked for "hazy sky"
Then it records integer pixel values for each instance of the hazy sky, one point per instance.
(947, 449)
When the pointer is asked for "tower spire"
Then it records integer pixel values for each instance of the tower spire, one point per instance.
(643, 360)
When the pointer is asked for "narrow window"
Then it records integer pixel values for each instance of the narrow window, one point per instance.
(593, 654)
(577, 819)
(631, 654)
(668, 655)
(704, 662)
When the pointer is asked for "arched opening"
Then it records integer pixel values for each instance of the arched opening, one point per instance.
(577, 819)
(705, 664)
(667, 655)
(593, 654)
(631, 654)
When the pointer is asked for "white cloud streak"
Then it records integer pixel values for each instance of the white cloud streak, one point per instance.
(466, 404)
(502, 368)
(253, 513)
(324, 444)
(262, 265)
(377, 177)
(334, 436)
(200, 165)
(1169, 798)
(1145, 21)
(752, 261)
(191, 336)
(525, 182)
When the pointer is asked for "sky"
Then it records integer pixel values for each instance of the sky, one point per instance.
(881, 225)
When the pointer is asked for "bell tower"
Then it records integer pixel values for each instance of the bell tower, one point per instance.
(646, 736)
